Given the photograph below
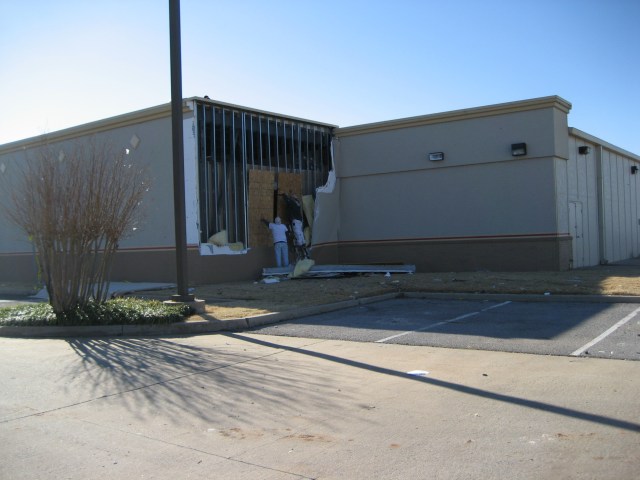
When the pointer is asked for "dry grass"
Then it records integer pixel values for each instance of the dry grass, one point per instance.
(239, 300)
(243, 299)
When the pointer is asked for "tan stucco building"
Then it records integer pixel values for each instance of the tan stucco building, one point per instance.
(502, 187)
(567, 200)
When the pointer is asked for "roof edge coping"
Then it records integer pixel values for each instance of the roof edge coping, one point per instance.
(590, 138)
(553, 101)
(90, 128)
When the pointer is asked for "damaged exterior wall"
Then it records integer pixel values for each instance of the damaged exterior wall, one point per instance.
(288, 184)
(384, 201)
(296, 154)
(327, 219)
(231, 142)
(261, 183)
(262, 195)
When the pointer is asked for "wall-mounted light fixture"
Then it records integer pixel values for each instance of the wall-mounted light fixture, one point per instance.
(584, 150)
(518, 149)
(436, 156)
(634, 170)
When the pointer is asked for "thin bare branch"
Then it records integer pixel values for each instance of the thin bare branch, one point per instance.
(75, 210)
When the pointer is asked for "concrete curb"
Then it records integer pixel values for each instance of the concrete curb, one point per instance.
(517, 297)
(197, 327)
(270, 318)
(185, 328)
(181, 328)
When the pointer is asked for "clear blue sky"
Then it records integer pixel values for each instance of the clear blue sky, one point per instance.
(345, 62)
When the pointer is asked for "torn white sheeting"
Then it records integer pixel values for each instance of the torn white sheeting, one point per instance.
(302, 267)
(270, 280)
(326, 212)
(330, 185)
(231, 249)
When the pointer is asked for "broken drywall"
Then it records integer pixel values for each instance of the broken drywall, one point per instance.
(326, 212)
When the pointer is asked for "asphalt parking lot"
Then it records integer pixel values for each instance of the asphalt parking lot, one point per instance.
(357, 393)
(604, 330)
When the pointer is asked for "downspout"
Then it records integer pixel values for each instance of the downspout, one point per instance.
(602, 247)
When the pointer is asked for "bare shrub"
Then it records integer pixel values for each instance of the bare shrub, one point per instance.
(75, 205)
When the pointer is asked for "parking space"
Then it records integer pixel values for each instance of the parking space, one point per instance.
(607, 330)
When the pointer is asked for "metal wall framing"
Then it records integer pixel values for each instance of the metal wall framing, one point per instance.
(232, 141)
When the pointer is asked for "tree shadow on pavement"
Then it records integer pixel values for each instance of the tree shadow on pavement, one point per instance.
(523, 402)
(150, 375)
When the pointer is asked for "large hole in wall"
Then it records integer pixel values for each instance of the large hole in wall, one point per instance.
(266, 200)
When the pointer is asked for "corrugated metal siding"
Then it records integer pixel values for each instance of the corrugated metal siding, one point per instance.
(621, 206)
(604, 201)
(582, 189)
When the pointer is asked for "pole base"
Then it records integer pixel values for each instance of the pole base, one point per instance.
(197, 305)
(189, 297)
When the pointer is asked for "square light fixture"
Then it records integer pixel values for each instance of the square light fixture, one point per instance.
(518, 149)
(436, 156)
(584, 150)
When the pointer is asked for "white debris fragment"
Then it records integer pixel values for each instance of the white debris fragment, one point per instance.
(418, 373)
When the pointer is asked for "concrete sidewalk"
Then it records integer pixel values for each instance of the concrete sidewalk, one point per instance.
(245, 406)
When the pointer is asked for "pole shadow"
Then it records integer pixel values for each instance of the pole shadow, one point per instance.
(522, 402)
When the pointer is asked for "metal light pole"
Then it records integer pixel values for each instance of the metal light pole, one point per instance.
(178, 154)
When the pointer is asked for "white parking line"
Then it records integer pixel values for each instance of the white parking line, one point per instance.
(466, 315)
(606, 333)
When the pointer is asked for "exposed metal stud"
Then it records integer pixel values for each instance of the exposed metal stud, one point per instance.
(202, 169)
(269, 143)
(234, 171)
(214, 163)
(284, 146)
(276, 143)
(225, 197)
(276, 146)
(260, 141)
(245, 179)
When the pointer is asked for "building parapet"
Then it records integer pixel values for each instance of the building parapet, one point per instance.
(456, 115)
